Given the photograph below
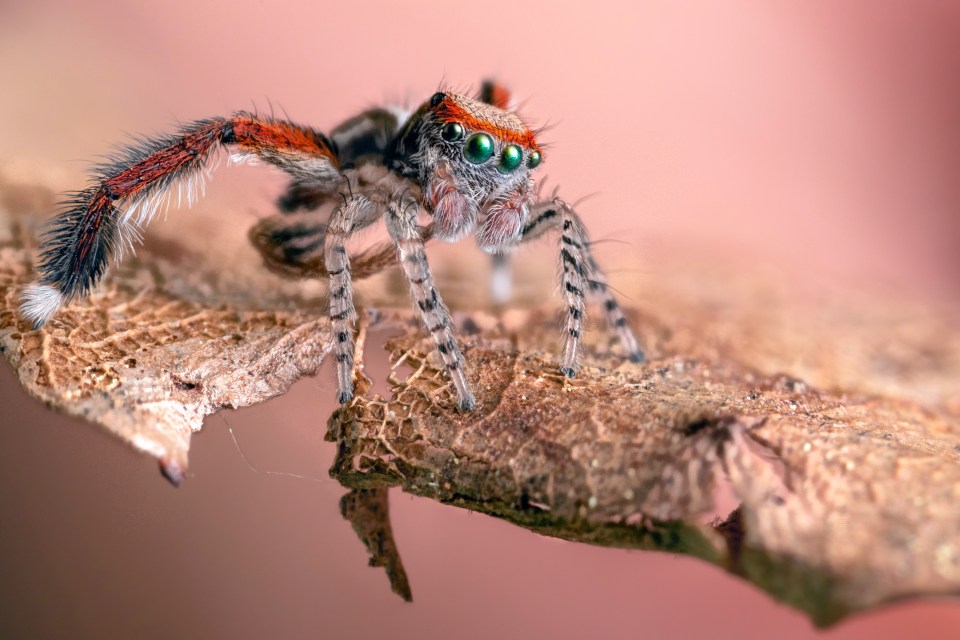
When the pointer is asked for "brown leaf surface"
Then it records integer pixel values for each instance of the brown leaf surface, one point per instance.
(163, 343)
(845, 500)
(829, 416)
(368, 510)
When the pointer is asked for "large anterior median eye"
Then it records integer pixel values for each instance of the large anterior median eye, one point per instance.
(452, 131)
(478, 148)
(510, 159)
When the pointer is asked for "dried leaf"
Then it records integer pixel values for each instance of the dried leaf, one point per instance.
(845, 501)
(369, 512)
(845, 472)
(163, 343)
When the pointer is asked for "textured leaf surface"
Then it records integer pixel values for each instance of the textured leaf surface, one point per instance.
(844, 501)
(807, 439)
(166, 341)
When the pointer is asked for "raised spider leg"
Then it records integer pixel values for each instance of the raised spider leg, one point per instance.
(494, 93)
(580, 275)
(402, 225)
(355, 213)
(129, 189)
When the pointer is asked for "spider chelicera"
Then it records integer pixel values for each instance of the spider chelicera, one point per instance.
(467, 163)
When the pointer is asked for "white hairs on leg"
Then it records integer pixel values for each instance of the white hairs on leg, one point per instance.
(39, 303)
(402, 114)
(243, 157)
(141, 210)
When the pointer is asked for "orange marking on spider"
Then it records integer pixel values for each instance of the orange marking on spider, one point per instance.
(252, 134)
(506, 127)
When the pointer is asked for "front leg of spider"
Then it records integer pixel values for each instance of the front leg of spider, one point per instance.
(402, 225)
(354, 214)
(580, 276)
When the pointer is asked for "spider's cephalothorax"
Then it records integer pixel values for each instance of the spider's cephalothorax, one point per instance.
(473, 162)
(465, 163)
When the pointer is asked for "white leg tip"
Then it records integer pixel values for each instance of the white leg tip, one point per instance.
(39, 303)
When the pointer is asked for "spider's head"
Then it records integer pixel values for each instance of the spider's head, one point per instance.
(481, 138)
(472, 158)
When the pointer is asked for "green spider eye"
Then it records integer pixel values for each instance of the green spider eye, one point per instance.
(510, 159)
(534, 159)
(478, 148)
(451, 132)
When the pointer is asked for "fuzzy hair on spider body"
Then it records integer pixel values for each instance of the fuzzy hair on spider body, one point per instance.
(467, 163)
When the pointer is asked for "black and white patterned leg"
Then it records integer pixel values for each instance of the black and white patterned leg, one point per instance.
(580, 276)
(403, 228)
(614, 314)
(355, 213)
(573, 280)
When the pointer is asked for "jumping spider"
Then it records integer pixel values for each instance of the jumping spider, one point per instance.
(467, 163)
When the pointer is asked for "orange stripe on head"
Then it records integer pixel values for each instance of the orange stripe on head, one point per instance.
(486, 118)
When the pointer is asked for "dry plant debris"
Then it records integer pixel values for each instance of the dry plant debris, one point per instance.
(845, 501)
(831, 419)
(157, 348)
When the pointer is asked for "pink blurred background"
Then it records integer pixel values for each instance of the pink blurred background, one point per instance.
(816, 135)
(819, 134)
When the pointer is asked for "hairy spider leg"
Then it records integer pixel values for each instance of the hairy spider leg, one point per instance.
(401, 221)
(127, 191)
(354, 214)
(580, 274)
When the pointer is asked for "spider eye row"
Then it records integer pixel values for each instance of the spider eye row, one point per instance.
(479, 147)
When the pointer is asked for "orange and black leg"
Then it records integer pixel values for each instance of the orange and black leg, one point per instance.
(127, 191)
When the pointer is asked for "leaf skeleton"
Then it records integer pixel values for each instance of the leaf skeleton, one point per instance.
(466, 163)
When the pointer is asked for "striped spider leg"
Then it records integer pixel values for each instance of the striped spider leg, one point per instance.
(356, 212)
(580, 276)
(402, 225)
